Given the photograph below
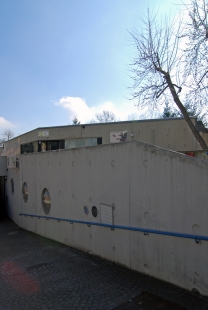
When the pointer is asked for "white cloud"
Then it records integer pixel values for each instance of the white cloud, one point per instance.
(4, 124)
(77, 107)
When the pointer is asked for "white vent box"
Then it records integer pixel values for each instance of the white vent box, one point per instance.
(106, 214)
(11, 162)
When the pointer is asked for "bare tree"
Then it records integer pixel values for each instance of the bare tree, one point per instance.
(133, 117)
(105, 117)
(158, 67)
(196, 34)
(92, 121)
(8, 133)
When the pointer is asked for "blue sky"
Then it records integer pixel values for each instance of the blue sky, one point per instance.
(66, 58)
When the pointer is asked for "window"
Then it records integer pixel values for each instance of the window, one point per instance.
(25, 192)
(99, 140)
(86, 211)
(52, 145)
(46, 201)
(74, 143)
(94, 211)
(27, 148)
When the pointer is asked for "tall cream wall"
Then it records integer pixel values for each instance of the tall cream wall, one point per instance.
(168, 133)
(150, 188)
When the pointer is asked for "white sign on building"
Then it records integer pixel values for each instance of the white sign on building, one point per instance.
(43, 134)
(118, 136)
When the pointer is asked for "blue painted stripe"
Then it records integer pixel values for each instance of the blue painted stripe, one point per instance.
(144, 230)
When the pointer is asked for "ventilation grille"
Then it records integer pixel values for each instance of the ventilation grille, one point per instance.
(106, 213)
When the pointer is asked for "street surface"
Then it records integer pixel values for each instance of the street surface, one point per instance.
(38, 273)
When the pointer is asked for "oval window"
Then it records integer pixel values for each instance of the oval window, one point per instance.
(46, 201)
(25, 192)
(94, 211)
(86, 211)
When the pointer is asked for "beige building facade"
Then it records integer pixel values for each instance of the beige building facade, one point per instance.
(171, 133)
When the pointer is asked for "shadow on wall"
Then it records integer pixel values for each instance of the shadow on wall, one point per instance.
(2, 197)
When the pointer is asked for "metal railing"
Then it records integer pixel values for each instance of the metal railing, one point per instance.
(146, 231)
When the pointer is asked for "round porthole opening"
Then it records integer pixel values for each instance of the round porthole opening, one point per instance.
(12, 186)
(86, 211)
(46, 201)
(25, 192)
(94, 211)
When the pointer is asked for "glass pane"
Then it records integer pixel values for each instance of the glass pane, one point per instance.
(52, 146)
(80, 142)
(70, 144)
(27, 148)
(46, 201)
(91, 141)
(73, 143)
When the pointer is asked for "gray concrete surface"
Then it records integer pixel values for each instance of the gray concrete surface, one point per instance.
(37, 273)
(132, 185)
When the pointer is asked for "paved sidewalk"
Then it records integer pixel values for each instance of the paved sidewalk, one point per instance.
(37, 273)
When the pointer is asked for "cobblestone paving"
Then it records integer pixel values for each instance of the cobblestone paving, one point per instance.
(38, 273)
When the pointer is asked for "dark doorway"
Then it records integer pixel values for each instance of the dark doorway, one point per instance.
(2, 197)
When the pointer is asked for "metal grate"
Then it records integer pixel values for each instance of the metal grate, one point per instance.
(106, 212)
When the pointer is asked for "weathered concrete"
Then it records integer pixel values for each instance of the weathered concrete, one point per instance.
(37, 273)
(147, 187)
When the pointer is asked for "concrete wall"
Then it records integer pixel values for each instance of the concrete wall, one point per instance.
(149, 187)
(173, 134)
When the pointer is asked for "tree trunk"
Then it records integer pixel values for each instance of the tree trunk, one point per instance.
(184, 112)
